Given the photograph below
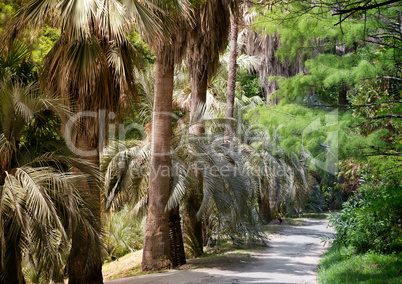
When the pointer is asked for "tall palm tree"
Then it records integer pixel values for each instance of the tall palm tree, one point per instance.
(206, 40)
(231, 94)
(228, 186)
(169, 50)
(91, 68)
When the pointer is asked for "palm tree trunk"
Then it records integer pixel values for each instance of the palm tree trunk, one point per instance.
(192, 227)
(12, 274)
(85, 263)
(198, 97)
(156, 253)
(230, 95)
(176, 238)
(264, 207)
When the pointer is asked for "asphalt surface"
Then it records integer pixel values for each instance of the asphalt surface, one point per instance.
(292, 257)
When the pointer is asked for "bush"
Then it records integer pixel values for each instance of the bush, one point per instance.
(371, 219)
(123, 233)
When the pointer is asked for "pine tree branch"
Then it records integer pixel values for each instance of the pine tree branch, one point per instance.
(385, 116)
(364, 7)
(375, 104)
(383, 43)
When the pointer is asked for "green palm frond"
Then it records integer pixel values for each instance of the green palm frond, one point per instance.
(124, 174)
(39, 202)
(39, 207)
(283, 174)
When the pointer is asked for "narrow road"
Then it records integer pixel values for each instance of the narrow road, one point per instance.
(292, 257)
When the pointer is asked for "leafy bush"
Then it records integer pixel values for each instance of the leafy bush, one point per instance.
(371, 219)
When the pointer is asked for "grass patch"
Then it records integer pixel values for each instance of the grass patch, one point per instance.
(126, 266)
(345, 266)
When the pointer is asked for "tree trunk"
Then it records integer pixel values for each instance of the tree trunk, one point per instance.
(156, 253)
(264, 208)
(198, 97)
(84, 262)
(192, 227)
(234, 29)
(12, 273)
(342, 97)
(176, 238)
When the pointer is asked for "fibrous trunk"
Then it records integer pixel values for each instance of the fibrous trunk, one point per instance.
(234, 30)
(264, 207)
(192, 226)
(12, 273)
(176, 238)
(156, 253)
(264, 46)
(85, 263)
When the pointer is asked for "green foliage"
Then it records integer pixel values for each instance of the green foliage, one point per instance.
(343, 265)
(7, 9)
(46, 38)
(335, 57)
(146, 55)
(370, 220)
(250, 83)
(123, 232)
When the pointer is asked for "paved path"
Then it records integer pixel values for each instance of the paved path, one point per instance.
(292, 257)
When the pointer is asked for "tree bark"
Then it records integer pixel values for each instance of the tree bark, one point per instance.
(176, 238)
(84, 262)
(192, 227)
(264, 208)
(342, 101)
(12, 274)
(156, 253)
(198, 97)
(230, 95)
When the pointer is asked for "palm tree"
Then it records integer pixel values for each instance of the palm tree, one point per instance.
(91, 68)
(169, 50)
(231, 191)
(39, 203)
(206, 40)
(283, 178)
(231, 94)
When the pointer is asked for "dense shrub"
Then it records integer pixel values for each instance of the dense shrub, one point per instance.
(371, 219)
(123, 233)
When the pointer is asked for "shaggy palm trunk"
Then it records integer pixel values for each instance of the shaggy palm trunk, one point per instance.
(198, 97)
(176, 238)
(264, 208)
(192, 226)
(234, 30)
(12, 274)
(85, 263)
(156, 253)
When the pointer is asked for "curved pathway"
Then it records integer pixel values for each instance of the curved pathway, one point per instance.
(292, 257)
